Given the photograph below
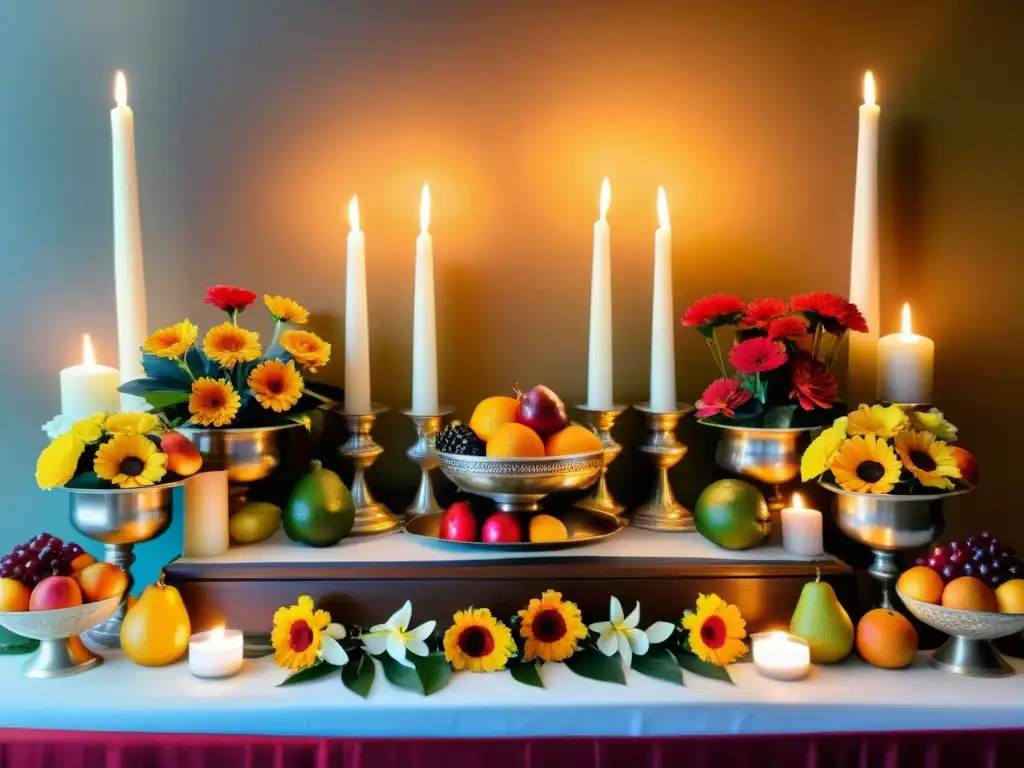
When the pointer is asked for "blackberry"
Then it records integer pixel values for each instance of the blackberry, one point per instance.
(459, 439)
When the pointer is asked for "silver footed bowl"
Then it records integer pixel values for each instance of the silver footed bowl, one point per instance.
(519, 484)
(247, 453)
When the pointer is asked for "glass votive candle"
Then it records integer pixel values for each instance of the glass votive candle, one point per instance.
(216, 653)
(780, 655)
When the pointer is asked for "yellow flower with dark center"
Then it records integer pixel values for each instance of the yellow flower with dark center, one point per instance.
(930, 460)
(478, 642)
(716, 631)
(130, 461)
(213, 403)
(819, 454)
(934, 421)
(59, 460)
(552, 628)
(173, 341)
(132, 423)
(286, 310)
(276, 385)
(298, 634)
(880, 420)
(308, 349)
(91, 429)
(866, 464)
(227, 344)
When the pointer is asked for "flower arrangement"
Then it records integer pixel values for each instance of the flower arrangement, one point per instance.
(548, 630)
(782, 358)
(887, 449)
(227, 379)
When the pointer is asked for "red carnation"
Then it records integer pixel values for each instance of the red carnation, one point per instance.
(761, 312)
(813, 385)
(788, 328)
(723, 396)
(717, 309)
(826, 305)
(229, 298)
(852, 318)
(757, 355)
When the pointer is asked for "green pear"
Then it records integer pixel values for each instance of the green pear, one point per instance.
(822, 621)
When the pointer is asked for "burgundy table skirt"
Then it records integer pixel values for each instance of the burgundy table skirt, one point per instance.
(940, 749)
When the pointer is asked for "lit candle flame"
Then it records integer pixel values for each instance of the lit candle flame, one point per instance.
(906, 321)
(663, 221)
(606, 197)
(216, 634)
(353, 213)
(88, 353)
(869, 89)
(425, 209)
(120, 89)
(797, 502)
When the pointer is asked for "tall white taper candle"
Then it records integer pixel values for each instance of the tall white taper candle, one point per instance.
(599, 371)
(663, 355)
(357, 328)
(424, 331)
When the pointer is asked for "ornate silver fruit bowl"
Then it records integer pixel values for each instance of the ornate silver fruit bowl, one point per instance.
(969, 649)
(518, 485)
(61, 652)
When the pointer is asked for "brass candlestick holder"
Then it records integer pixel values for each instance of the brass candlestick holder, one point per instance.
(662, 512)
(423, 454)
(371, 515)
(601, 422)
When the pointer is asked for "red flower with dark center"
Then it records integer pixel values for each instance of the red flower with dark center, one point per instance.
(300, 636)
(476, 641)
(714, 632)
(229, 298)
(549, 626)
(761, 312)
(723, 396)
(813, 385)
(852, 318)
(757, 355)
(717, 309)
(823, 304)
(788, 328)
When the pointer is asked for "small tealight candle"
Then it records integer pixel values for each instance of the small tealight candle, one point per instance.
(215, 654)
(781, 656)
(801, 529)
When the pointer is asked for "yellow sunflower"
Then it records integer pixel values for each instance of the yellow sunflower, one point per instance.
(172, 341)
(866, 464)
(91, 429)
(819, 454)
(716, 630)
(298, 634)
(276, 385)
(880, 420)
(59, 460)
(552, 628)
(934, 421)
(227, 344)
(930, 460)
(130, 461)
(214, 402)
(286, 310)
(478, 642)
(308, 349)
(132, 423)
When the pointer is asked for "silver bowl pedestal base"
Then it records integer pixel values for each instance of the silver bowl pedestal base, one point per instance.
(971, 657)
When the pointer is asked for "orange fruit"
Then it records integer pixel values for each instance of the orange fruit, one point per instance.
(886, 639)
(572, 439)
(969, 594)
(14, 595)
(492, 414)
(84, 560)
(100, 581)
(921, 583)
(515, 441)
(1010, 596)
(545, 528)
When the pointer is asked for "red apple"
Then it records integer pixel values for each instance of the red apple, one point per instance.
(543, 411)
(183, 458)
(967, 463)
(458, 523)
(502, 528)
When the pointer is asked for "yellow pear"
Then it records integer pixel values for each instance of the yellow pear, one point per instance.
(156, 629)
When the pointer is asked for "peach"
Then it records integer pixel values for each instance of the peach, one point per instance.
(55, 592)
(84, 560)
(100, 581)
(183, 458)
(14, 595)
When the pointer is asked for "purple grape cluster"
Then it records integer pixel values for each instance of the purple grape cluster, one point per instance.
(38, 558)
(981, 556)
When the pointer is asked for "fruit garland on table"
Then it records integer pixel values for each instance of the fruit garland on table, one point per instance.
(549, 630)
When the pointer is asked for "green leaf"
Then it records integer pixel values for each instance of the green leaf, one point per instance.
(779, 417)
(314, 672)
(165, 370)
(400, 675)
(660, 664)
(358, 674)
(433, 670)
(527, 673)
(165, 398)
(595, 665)
(692, 664)
(141, 387)
(15, 645)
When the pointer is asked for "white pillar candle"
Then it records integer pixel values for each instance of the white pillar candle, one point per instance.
(599, 371)
(864, 276)
(88, 388)
(206, 515)
(215, 654)
(663, 354)
(802, 529)
(424, 331)
(780, 655)
(357, 326)
(906, 365)
(129, 279)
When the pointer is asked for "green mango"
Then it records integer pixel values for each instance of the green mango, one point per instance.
(256, 521)
(320, 511)
(732, 514)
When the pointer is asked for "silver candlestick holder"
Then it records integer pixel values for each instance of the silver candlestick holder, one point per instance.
(362, 450)
(601, 422)
(423, 454)
(662, 512)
